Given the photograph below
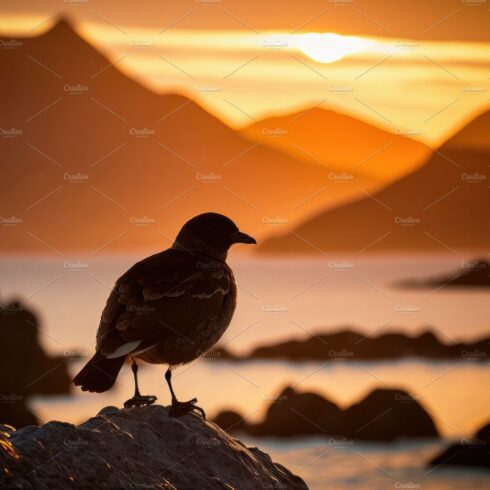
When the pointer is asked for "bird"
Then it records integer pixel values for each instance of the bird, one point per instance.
(169, 308)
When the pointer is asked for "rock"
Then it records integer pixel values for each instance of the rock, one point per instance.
(14, 411)
(471, 452)
(300, 414)
(484, 433)
(220, 353)
(474, 274)
(349, 345)
(136, 448)
(231, 421)
(42, 375)
(385, 415)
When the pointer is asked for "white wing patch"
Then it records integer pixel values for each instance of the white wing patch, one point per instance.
(124, 349)
(135, 353)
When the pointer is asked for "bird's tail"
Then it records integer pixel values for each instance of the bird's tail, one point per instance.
(99, 374)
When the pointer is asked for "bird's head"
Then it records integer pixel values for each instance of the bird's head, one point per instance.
(210, 234)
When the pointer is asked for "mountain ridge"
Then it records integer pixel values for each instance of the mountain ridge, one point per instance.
(443, 205)
(89, 152)
(327, 135)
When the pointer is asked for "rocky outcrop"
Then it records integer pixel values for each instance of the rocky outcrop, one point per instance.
(383, 415)
(25, 368)
(231, 421)
(386, 415)
(349, 345)
(299, 414)
(136, 448)
(469, 452)
(473, 274)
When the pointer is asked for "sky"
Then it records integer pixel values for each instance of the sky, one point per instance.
(415, 68)
(415, 19)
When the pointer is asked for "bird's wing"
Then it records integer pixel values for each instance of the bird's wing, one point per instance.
(166, 295)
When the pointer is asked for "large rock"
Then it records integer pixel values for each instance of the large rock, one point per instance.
(136, 448)
(231, 421)
(299, 414)
(383, 415)
(469, 452)
(43, 374)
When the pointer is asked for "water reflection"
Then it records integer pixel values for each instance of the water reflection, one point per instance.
(452, 392)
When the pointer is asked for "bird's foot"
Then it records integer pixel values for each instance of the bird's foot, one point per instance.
(140, 401)
(181, 408)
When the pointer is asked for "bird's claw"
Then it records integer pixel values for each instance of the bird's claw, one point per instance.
(178, 409)
(140, 401)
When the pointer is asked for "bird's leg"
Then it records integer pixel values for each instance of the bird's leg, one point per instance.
(138, 399)
(181, 408)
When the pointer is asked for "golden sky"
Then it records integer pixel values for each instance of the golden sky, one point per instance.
(418, 68)
(414, 19)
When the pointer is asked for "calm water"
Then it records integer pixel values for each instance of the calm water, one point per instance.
(342, 466)
(279, 299)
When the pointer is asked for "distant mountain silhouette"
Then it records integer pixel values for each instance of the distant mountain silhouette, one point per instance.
(473, 135)
(443, 205)
(341, 141)
(473, 273)
(90, 157)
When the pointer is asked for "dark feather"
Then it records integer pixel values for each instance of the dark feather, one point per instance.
(166, 295)
(99, 374)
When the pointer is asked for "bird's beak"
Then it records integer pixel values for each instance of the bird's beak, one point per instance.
(239, 237)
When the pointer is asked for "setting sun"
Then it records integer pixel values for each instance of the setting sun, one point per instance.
(329, 47)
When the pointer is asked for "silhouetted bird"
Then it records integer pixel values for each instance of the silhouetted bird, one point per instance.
(169, 308)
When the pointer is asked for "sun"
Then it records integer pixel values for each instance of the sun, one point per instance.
(329, 47)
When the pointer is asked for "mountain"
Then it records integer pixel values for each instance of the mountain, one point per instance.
(473, 135)
(444, 205)
(92, 160)
(342, 142)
